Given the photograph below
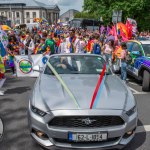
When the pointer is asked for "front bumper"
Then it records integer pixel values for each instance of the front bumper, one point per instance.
(57, 137)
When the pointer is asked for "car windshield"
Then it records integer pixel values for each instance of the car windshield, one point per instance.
(77, 64)
(146, 48)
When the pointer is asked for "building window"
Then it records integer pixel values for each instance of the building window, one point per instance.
(18, 21)
(2, 13)
(34, 14)
(27, 15)
(28, 21)
(17, 14)
(44, 15)
(9, 14)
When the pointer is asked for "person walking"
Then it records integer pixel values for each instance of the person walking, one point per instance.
(96, 46)
(108, 50)
(123, 62)
(63, 45)
(73, 43)
(50, 44)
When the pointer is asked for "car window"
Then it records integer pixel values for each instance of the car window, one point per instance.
(77, 64)
(146, 48)
(129, 46)
(136, 47)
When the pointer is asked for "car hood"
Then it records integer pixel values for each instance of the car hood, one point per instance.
(50, 93)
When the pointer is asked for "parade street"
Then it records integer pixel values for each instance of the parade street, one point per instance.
(14, 106)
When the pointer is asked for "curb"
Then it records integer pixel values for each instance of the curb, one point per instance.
(1, 130)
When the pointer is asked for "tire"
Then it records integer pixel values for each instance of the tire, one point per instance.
(146, 81)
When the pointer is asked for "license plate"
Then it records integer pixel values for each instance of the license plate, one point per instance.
(81, 137)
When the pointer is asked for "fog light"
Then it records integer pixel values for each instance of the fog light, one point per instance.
(129, 133)
(40, 134)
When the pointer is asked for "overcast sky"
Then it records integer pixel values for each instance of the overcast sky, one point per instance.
(65, 5)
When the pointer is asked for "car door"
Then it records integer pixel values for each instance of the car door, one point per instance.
(136, 54)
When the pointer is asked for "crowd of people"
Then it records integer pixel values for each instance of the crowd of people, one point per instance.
(55, 39)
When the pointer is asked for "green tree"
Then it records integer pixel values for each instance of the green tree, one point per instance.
(85, 15)
(136, 9)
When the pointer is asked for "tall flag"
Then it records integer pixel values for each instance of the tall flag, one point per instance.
(134, 25)
(129, 29)
(123, 35)
(108, 30)
(102, 29)
(3, 42)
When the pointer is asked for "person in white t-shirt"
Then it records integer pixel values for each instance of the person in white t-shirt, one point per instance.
(63, 45)
(73, 43)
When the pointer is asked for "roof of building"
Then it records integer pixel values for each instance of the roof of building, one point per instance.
(30, 3)
(73, 10)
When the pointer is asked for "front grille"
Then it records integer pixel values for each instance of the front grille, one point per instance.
(65, 141)
(88, 122)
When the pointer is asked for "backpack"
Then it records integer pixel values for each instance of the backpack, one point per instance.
(97, 49)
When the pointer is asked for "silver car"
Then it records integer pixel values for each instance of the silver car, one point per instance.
(64, 114)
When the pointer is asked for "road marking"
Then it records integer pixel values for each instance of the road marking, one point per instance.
(145, 128)
(133, 83)
(141, 93)
(135, 91)
(1, 129)
(2, 82)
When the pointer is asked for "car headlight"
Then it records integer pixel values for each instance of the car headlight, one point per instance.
(38, 111)
(131, 111)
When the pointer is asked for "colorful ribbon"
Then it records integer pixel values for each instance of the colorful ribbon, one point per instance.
(99, 92)
(63, 84)
(97, 86)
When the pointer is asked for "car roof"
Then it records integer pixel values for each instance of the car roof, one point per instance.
(140, 42)
(145, 42)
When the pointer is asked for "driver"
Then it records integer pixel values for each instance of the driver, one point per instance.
(65, 65)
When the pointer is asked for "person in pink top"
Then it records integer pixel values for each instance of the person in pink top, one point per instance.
(108, 50)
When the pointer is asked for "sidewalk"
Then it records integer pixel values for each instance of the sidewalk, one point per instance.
(1, 129)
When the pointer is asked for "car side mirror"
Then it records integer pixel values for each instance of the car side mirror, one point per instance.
(137, 53)
(37, 69)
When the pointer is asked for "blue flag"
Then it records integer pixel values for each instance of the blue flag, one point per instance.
(2, 50)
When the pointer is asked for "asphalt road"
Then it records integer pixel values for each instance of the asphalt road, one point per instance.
(13, 111)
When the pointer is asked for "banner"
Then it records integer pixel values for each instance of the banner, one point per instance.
(24, 65)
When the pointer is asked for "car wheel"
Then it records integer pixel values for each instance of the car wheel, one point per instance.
(146, 81)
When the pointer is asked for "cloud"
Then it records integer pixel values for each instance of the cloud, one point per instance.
(68, 4)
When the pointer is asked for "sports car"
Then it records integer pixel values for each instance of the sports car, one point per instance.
(77, 102)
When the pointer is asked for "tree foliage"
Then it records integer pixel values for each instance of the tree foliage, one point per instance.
(136, 9)
(85, 15)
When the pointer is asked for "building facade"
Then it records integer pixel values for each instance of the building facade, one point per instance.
(69, 15)
(24, 11)
(2, 20)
